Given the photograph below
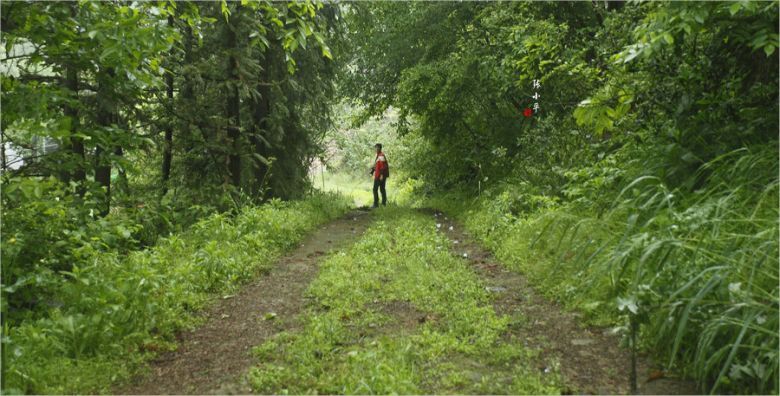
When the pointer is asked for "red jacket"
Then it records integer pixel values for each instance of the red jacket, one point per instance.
(380, 163)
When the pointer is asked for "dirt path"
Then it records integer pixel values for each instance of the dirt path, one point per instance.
(589, 359)
(213, 358)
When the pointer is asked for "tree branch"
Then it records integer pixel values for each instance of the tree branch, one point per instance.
(6, 59)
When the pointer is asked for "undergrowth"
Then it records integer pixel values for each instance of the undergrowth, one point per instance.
(696, 270)
(398, 313)
(115, 310)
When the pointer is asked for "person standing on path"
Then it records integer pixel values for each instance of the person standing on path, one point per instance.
(380, 171)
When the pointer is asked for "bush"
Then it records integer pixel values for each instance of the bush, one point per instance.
(697, 269)
(113, 307)
(47, 230)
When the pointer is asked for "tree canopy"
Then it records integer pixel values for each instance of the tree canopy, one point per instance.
(621, 154)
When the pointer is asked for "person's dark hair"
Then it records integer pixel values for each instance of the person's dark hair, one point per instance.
(378, 145)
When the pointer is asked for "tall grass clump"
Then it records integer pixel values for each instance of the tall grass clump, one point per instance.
(710, 275)
(695, 266)
(111, 311)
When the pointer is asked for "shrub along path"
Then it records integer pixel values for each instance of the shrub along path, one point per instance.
(212, 358)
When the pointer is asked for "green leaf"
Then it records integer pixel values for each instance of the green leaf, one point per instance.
(264, 40)
(769, 49)
(9, 44)
(225, 9)
(621, 110)
(734, 8)
(108, 52)
(759, 40)
(261, 158)
(326, 52)
(628, 303)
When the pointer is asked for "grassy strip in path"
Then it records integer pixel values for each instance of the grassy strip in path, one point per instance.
(398, 313)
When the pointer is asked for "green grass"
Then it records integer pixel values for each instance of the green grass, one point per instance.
(697, 271)
(115, 310)
(357, 190)
(398, 313)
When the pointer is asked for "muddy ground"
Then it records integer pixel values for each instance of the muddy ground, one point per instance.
(214, 358)
(590, 359)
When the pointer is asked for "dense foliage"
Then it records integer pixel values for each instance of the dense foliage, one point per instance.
(351, 142)
(645, 188)
(124, 123)
(232, 94)
(114, 305)
(622, 155)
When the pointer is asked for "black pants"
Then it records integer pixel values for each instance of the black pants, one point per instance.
(380, 184)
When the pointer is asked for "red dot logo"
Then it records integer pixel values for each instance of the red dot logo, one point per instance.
(528, 112)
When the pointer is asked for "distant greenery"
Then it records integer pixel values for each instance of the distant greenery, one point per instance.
(351, 148)
(350, 154)
(644, 191)
(94, 329)
(351, 345)
(357, 189)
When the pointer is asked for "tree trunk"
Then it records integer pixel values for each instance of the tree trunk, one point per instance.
(232, 104)
(615, 5)
(234, 159)
(71, 111)
(122, 185)
(168, 145)
(103, 177)
(186, 93)
(262, 109)
(3, 162)
(106, 115)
